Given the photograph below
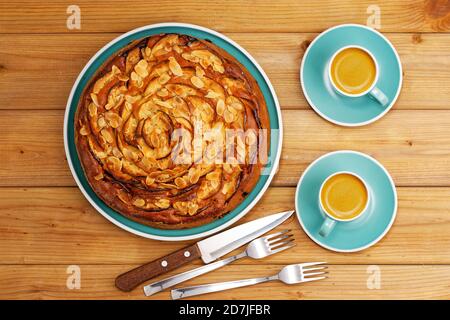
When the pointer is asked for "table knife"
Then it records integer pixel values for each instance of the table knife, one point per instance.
(208, 250)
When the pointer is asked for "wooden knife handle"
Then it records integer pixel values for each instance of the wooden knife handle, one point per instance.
(131, 279)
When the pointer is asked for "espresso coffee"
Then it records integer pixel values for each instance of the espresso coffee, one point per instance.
(353, 71)
(344, 196)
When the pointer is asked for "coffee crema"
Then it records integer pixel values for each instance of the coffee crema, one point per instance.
(344, 196)
(353, 71)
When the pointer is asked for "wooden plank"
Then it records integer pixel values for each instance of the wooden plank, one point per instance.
(27, 59)
(25, 16)
(344, 282)
(413, 145)
(58, 226)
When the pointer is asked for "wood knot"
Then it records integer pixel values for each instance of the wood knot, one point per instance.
(437, 14)
(304, 45)
(437, 8)
(417, 38)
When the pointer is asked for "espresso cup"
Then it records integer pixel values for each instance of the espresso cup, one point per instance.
(353, 72)
(343, 197)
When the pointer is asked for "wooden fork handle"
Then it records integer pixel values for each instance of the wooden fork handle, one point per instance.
(131, 279)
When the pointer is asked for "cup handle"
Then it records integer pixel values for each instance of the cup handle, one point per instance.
(327, 226)
(379, 96)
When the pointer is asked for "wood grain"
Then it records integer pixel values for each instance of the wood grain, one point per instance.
(27, 59)
(46, 224)
(250, 16)
(344, 282)
(58, 226)
(412, 145)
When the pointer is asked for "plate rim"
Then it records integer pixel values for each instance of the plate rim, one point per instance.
(373, 242)
(225, 224)
(351, 124)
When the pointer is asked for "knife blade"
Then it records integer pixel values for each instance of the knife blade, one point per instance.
(208, 250)
(216, 246)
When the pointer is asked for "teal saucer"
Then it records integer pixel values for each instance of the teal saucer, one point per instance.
(362, 232)
(321, 96)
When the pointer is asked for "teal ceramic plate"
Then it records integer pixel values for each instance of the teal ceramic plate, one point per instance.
(321, 96)
(245, 59)
(362, 232)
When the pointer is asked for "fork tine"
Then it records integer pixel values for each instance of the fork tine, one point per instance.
(282, 248)
(303, 265)
(313, 274)
(313, 279)
(280, 238)
(313, 269)
(270, 236)
(279, 244)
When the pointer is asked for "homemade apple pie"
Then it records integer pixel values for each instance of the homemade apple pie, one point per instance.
(166, 129)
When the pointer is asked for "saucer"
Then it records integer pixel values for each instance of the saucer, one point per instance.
(362, 232)
(316, 86)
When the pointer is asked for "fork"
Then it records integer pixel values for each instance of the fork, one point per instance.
(291, 274)
(257, 249)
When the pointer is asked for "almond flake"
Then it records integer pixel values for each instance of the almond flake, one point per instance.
(164, 78)
(196, 81)
(199, 72)
(94, 99)
(107, 135)
(92, 109)
(101, 122)
(149, 181)
(175, 67)
(228, 116)
(141, 68)
(192, 208)
(139, 202)
(163, 203)
(220, 107)
(84, 131)
(99, 176)
(180, 182)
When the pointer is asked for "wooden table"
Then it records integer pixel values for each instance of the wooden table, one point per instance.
(46, 225)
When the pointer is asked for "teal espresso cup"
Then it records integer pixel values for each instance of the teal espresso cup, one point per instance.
(372, 90)
(343, 197)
